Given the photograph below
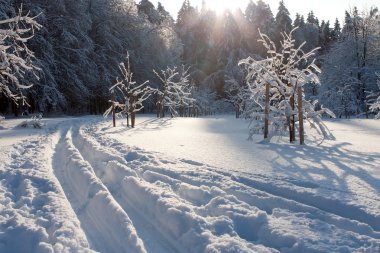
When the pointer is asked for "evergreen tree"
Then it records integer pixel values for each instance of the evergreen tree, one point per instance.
(351, 64)
(311, 18)
(336, 31)
(283, 21)
(325, 36)
(164, 14)
(145, 7)
(259, 17)
(297, 20)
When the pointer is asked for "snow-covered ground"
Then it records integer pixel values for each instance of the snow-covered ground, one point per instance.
(187, 185)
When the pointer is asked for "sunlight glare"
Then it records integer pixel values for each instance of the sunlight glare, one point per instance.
(221, 5)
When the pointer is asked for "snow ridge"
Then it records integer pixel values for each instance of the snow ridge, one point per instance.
(34, 213)
(105, 222)
(233, 212)
(89, 192)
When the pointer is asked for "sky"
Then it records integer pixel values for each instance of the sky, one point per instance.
(323, 9)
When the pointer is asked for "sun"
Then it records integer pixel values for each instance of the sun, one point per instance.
(221, 5)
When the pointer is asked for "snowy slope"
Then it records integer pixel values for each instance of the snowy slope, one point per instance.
(186, 185)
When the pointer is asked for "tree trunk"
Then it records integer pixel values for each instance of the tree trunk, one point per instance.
(162, 109)
(133, 119)
(300, 116)
(292, 133)
(158, 106)
(290, 128)
(266, 120)
(113, 111)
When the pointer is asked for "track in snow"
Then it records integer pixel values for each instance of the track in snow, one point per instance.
(105, 223)
(34, 213)
(206, 190)
(109, 197)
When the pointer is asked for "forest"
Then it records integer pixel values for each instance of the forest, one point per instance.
(78, 46)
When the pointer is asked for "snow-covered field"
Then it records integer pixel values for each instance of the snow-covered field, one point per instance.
(186, 185)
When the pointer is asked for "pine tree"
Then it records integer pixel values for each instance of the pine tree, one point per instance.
(336, 31)
(297, 20)
(145, 7)
(311, 18)
(283, 21)
(259, 16)
(325, 36)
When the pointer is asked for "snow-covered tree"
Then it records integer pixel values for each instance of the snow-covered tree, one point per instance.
(349, 66)
(375, 106)
(237, 95)
(175, 91)
(276, 85)
(16, 59)
(283, 21)
(336, 31)
(258, 16)
(127, 95)
(338, 91)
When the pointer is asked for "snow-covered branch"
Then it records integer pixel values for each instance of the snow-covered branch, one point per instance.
(375, 107)
(175, 92)
(275, 87)
(128, 96)
(16, 60)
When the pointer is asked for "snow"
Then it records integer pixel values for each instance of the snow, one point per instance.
(186, 185)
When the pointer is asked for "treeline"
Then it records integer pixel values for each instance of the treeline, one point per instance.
(349, 54)
(80, 46)
(82, 43)
(214, 44)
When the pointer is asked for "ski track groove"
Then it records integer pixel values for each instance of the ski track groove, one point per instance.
(29, 188)
(111, 219)
(151, 232)
(138, 158)
(306, 201)
(105, 223)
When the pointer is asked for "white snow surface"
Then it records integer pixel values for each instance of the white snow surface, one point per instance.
(188, 185)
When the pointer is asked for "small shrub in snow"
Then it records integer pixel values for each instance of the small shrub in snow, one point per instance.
(35, 122)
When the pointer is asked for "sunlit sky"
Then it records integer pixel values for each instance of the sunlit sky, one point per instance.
(323, 9)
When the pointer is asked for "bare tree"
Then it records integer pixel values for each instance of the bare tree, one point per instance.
(175, 92)
(127, 95)
(276, 85)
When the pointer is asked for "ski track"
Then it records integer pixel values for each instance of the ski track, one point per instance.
(171, 218)
(32, 204)
(271, 187)
(106, 224)
(125, 199)
(193, 186)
